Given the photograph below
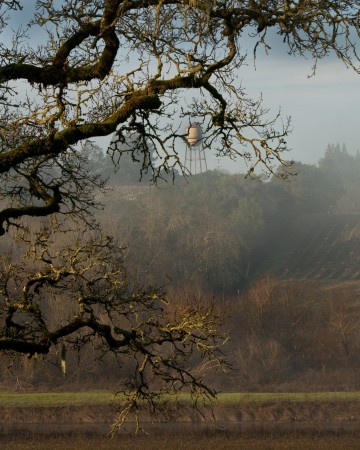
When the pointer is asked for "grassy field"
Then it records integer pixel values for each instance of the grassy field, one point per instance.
(240, 398)
(54, 399)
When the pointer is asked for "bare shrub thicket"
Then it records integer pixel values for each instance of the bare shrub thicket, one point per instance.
(295, 335)
(284, 336)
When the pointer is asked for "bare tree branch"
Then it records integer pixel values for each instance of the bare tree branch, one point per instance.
(124, 65)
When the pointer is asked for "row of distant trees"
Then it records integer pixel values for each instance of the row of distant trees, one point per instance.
(217, 230)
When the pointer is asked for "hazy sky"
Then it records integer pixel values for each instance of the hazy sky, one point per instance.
(324, 108)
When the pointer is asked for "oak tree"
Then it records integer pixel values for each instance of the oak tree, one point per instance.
(67, 294)
(80, 70)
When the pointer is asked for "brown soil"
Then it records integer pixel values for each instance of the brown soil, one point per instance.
(186, 442)
(272, 412)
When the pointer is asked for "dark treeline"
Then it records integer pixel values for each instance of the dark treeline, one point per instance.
(217, 237)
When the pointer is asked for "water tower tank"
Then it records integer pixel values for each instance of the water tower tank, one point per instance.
(194, 134)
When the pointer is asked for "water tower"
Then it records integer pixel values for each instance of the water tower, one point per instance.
(195, 160)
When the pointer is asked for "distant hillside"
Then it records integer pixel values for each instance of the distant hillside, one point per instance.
(322, 247)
